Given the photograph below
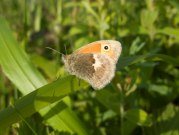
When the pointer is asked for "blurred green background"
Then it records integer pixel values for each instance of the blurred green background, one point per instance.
(142, 99)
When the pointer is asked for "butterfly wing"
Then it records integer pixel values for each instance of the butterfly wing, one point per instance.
(80, 65)
(104, 68)
(95, 68)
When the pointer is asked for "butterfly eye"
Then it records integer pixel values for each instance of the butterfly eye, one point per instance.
(106, 47)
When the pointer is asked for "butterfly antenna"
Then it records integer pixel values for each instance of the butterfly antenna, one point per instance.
(55, 51)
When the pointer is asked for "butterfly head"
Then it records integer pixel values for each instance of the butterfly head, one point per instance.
(111, 48)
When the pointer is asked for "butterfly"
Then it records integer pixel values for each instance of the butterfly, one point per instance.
(94, 62)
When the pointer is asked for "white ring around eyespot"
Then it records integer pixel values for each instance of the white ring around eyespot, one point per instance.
(103, 45)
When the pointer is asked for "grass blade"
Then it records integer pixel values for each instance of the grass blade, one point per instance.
(19, 69)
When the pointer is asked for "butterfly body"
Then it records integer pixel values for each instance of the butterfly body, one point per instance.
(95, 62)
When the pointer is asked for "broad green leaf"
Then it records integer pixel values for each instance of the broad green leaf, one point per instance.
(139, 117)
(161, 89)
(126, 61)
(18, 68)
(173, 32)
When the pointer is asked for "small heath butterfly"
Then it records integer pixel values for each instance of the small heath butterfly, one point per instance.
(94, 62)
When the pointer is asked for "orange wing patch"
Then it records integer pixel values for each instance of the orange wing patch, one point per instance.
(91, 48)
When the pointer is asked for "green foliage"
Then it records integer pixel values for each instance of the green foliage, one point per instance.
(141, 99)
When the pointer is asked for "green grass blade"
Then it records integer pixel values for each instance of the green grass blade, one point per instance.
(18, 68)
(37, 100)
(16, 64)
(126, 61)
